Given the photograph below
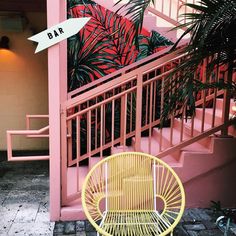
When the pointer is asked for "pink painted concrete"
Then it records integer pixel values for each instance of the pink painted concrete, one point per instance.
(55, 13)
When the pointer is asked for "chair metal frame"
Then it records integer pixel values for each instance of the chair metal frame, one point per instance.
(130, 184)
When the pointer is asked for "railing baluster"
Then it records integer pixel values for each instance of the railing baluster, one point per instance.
(69, 141)
(170, 8)
(138, 121)
(146, 107)
(182, 124)
(154, 98)
(125, 120)
(89, 134)
(112, 123)
(101, 130)
(131, 113)
(171, 129)
(162, 106)
(150, 119)
(122, 125)
(214, 98)
(104, 122)
(204, 94)
(162, 6)
(77, 149)
(227, 96)
(64, 147)
(96, 126)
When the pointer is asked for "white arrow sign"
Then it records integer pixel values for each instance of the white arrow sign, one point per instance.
(59, 32)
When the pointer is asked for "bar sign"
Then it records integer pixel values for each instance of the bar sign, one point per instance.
(59, 32)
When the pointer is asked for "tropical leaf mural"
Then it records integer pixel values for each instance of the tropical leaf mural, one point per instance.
(107, 43)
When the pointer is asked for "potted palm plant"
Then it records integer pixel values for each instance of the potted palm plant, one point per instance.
(212, 26)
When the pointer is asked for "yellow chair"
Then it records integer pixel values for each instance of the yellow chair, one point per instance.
(133, 194)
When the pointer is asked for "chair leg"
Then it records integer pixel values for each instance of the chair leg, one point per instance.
(171, 234)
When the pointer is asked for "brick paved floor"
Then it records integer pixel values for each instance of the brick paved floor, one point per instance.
(24, 206)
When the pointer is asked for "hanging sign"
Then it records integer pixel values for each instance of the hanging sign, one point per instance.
(59, 32)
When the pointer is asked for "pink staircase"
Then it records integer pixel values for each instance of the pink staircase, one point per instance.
(193, 147)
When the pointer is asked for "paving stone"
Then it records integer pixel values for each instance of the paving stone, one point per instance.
(209, 224)
(6, 186)
(91, 234)
(70, 227)
(180, 231)
(31, 229)
(3, 195)
(27, 213)
(192, 233)
(215, 232)
(194, 227)
(7, 216)
(42, 214)
(195, 213)
(88, 227)
(81, 233)
(16, 196)
(188, 216)
(59, 228)
(80, 226)
(202, 213)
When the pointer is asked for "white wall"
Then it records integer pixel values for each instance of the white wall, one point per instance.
(23, 84)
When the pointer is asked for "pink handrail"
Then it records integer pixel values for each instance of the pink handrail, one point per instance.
(27, 133)
(119, 72)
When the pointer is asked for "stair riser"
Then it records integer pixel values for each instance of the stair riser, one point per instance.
(220, 104)
(208, 118)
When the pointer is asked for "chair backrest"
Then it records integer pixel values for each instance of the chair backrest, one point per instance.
(133, 181)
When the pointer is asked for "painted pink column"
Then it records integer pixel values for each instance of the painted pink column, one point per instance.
(55, 14)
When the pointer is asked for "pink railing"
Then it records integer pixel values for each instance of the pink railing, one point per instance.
(172, 10)
(29, 133)
(119, 112)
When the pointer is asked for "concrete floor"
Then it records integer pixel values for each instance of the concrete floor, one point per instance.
(24, 206)
(24, 201)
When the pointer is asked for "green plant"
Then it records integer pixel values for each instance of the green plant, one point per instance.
(135, 10)
(212, 36)
(212, 28)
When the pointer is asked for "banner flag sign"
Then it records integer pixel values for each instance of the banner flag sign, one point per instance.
(59, 32)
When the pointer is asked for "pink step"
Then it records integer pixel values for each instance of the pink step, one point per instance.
(72, 178)
(150, 146)
(176, 140)
(219, 104)
(119, 149)
(73, 212)
(172, 162)
(93, 161)
(209, 115)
